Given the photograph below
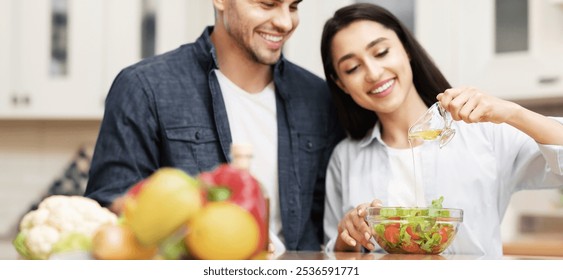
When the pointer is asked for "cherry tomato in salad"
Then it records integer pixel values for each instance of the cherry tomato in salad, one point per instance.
(412, 248)
(444, 233)
(392, 233)
(413, 234)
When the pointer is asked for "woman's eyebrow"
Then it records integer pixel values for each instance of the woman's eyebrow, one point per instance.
(375, 42)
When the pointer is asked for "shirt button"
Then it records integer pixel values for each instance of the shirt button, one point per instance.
(197, 135)
(309, 145)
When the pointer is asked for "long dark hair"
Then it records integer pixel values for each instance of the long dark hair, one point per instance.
(427, 78)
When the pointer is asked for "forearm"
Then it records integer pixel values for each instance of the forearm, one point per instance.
(542, 129)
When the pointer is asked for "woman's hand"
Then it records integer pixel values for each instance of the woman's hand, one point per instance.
(353, 231)
(471, 105)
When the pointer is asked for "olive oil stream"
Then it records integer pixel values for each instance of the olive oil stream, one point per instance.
(432, 134)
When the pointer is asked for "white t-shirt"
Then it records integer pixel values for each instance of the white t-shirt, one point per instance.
(252, 120)
(404, 189)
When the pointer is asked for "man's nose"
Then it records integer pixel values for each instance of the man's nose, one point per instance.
(284, 19)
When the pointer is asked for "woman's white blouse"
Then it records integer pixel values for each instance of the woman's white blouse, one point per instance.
(477, 171)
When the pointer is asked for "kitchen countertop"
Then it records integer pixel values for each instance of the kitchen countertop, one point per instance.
(536, 245)
(516, 251)
(292, 255)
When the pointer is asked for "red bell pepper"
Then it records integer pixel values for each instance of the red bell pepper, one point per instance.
(229, 183)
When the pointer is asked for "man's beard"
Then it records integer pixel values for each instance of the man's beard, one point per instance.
(253, 55)
(266, 61)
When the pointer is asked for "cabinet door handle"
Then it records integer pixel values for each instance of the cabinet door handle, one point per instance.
(548, 80)
(15, 100)
(20, 100)
(26, 100)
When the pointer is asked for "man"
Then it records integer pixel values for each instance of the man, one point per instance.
(185, 108)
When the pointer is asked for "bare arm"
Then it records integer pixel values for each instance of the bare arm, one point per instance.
(542, 129)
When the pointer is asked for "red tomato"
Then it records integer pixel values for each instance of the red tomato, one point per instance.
(392, 233)
(445, 233)
(413, 234)
(412, 248)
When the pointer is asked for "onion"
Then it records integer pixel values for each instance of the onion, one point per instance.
(117, 242)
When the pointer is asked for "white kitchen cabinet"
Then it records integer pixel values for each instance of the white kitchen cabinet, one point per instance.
(122, 38)
(464, 42)
(176, 22)
(40, 86)
(170, 24)
(181, 21)
(5, 50)
(62, 67)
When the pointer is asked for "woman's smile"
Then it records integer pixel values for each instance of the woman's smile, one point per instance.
(383, 89)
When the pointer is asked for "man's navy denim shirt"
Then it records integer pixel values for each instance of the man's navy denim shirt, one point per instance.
(168, 111)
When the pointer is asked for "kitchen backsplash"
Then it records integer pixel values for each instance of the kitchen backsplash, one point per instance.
(33, 155)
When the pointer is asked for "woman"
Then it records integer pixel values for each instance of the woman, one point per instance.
(382, 81)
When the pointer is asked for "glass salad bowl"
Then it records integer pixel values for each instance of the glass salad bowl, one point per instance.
(414, 230)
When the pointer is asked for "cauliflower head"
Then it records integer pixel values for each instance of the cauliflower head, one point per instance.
(60, 223)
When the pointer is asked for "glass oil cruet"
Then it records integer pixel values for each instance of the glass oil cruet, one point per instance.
(435, 124)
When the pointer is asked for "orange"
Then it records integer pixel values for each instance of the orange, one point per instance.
(222, 231)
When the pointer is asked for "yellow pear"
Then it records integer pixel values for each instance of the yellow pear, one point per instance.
(168, 199)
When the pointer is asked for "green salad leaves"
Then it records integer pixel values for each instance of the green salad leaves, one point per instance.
(415, 230)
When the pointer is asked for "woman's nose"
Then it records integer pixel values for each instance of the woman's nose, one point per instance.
(373, 72)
